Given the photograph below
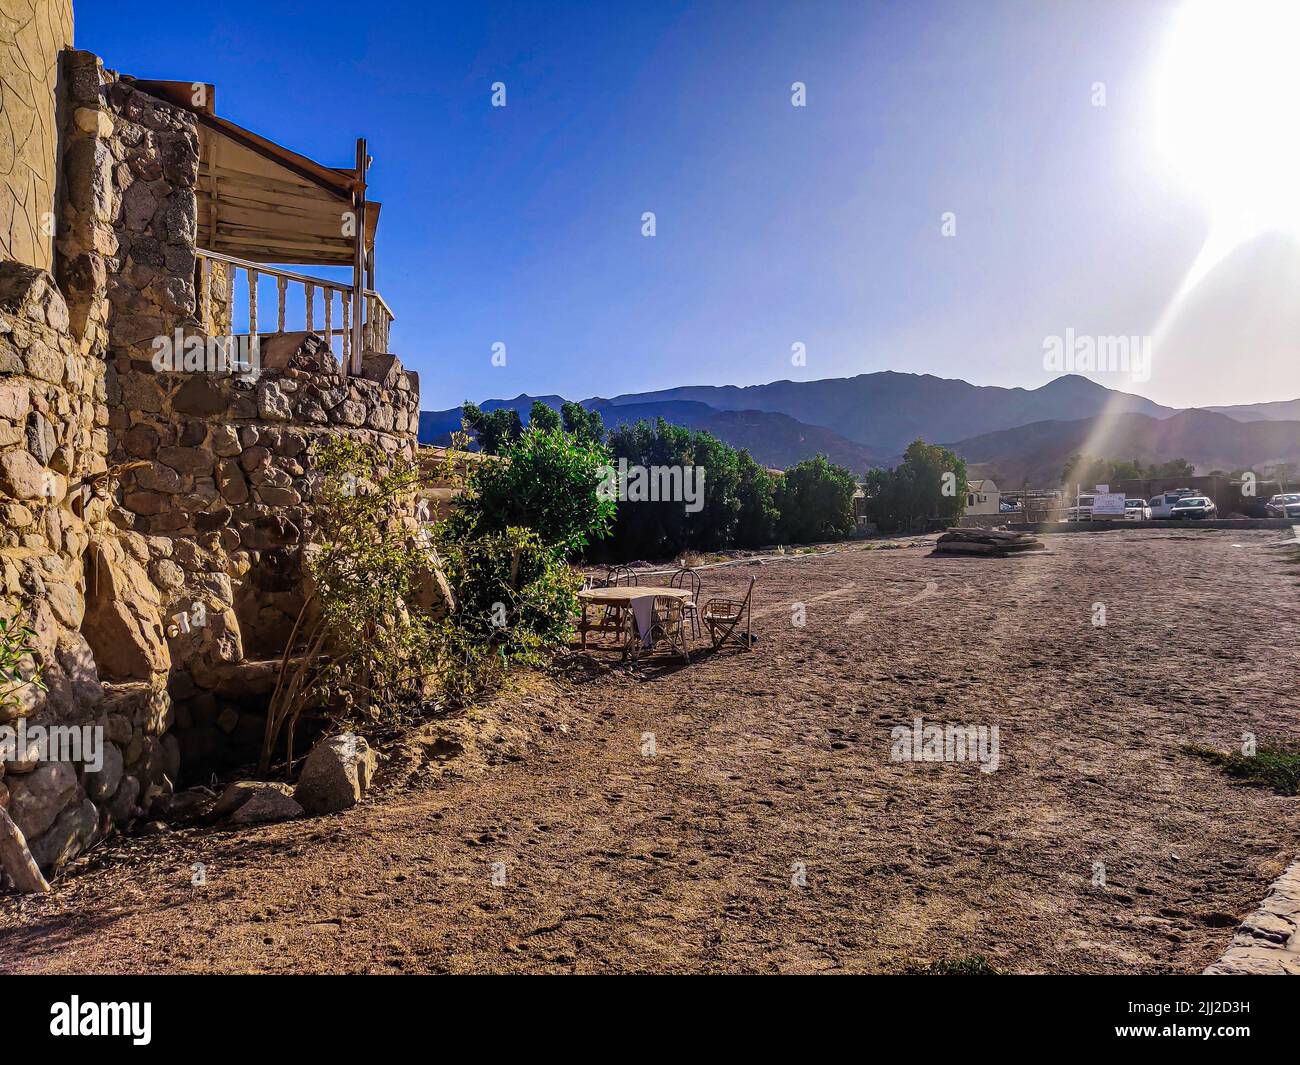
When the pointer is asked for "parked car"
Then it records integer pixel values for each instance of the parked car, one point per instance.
(1081, 511)
(1162, 506)
(1136, 510)
(1006, 505)
(1286, 505)
(1194, 507)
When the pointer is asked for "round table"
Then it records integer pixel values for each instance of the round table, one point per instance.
(622, 598)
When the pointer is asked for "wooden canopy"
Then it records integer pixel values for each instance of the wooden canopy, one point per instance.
(261, 201)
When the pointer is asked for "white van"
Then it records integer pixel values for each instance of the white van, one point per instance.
(1162, 506)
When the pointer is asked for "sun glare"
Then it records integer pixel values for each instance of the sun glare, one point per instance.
(1227, 99)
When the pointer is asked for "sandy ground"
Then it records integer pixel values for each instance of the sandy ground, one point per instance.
(774, 762)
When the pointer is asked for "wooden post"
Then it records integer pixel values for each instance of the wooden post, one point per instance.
(252, 303)
(205, 294)
(310, 289)
(329, 318)
(281, 283)
(359, 257)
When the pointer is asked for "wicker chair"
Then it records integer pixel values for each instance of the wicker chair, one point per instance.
(723, 619)
(669, 626)
(615, 618)
(618, 575)
(689, 579)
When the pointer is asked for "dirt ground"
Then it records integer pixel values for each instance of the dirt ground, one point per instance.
(774, 762)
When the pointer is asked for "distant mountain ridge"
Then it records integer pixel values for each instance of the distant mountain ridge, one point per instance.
(868, 420)
(889, 410)
(1211, 441)
(773, 439)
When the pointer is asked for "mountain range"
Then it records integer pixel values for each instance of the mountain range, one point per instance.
(1013, 433)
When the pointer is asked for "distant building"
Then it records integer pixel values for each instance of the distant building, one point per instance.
(983, 497)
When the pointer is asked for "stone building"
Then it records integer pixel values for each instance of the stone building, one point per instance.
(154, 508)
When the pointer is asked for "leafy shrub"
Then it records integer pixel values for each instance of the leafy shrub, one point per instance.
(515, 602)
(356, 643)
(815, 501)
(587, 425)
(494, 429)
(547, 482)
(917, 491)
(543, 417)
(19, 666)
(737, 509)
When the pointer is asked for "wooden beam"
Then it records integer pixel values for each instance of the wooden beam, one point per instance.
(359, 254)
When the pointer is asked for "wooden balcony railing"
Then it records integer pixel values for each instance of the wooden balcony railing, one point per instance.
(217, 294)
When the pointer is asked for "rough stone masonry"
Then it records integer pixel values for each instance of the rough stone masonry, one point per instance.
(134, 501)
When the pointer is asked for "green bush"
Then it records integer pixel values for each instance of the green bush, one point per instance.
(18, 664)
(737, 511)
(495, 429)
(930, 484)
(547, 482)
(815, 501)
(516, 598)
(357, 645)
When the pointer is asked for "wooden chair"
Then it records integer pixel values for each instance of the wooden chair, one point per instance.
(688, 578)
(667, 627)
(621, 575)
(723, 617)
(616, 618)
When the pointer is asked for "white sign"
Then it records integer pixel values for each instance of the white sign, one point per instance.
(1108, 505)
(1103, 488)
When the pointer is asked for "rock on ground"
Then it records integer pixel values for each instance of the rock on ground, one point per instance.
(240, 792)
(266, 804)
(336, 774)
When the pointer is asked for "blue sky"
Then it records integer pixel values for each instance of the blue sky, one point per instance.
(776, 225)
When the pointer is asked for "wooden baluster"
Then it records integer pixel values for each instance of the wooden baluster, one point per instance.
(252, 303)
(329, 318)
(347, 330)
(311, 307)
(281, 283)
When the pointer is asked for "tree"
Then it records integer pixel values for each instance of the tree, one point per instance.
(929, 484)
(815, 501)
(547, 481)
(586, 425)
(732, 501)
(543, 417)
(1089, 470)
(494, 429)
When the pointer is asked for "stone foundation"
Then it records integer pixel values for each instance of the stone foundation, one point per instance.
(153, 522)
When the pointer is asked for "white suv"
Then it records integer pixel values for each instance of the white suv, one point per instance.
(1162, 506)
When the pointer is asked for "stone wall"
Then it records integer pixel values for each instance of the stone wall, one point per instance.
(153, 520)
(32, 34)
